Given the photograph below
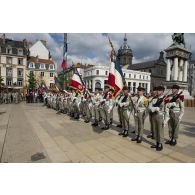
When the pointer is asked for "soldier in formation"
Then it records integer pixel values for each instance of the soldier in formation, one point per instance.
(162, 110)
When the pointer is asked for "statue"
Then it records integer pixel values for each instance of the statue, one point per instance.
(178, 39)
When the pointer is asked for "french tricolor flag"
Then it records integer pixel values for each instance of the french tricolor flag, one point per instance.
(115, 77)
(76, 82)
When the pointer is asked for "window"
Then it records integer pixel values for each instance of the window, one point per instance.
(97, 85)
(140, 76)
(9, 82)
(9, 51)
(97, 72)
(134, 76)
(20, 52)
(124, 75)
(20, 82)
(42, 66)
(143, 77)
(31, 65)
(9, 72)
(51, 67)
(106, 72)
(20, 61)
(9, 60)
(42, 74)
(51, 74)
(20, 72)
(129, 75)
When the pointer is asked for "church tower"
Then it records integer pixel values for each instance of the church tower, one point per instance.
(125, 54)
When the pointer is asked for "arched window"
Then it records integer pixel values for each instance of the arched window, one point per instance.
(51, 66)
(31, 65)
(97, 84)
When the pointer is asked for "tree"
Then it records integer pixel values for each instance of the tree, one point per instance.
(32, 82)
(1, 81)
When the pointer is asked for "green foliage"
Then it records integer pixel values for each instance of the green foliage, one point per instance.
(32, 82)
(1, 81)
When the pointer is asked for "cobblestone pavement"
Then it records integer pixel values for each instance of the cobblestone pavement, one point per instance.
(26, 129)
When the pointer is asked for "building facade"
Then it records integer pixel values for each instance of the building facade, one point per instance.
(41, 64)
(157, 68)
(97, 76)
(191, 78)
(125, 54)
(13, 61)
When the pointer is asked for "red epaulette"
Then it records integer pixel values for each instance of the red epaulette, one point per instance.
(181, 97)
(110, 95)
(166, 100)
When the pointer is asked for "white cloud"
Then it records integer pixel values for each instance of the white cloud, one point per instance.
(94, 48)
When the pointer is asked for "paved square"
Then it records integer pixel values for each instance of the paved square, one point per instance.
(26, 129)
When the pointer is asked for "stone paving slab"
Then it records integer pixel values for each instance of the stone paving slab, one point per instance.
(26, 129)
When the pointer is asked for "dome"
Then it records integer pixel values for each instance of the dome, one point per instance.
(125, 48)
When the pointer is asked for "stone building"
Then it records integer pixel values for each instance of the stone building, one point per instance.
(191, 78)
(13, 61)
(157, 68)
(41, 63)
(125, 53)
(97, 76)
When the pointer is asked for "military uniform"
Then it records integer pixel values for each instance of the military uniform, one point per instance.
(125, 109)
(140, 105)
(160, 116)
(176, 112)
(151, 101)
(119, 111)
(106, 109)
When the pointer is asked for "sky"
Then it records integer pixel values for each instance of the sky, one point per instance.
(94, 48)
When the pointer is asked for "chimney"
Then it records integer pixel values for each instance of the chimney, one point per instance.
(3, 37)
(25, 43)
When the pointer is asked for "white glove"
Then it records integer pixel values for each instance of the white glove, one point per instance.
(155, 109)
(164, 123)
(121, 104)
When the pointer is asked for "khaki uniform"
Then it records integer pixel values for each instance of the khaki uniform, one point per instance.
(160, 116)
(176, 112)
(119, 111)
(125, 109)
(140, 103)
(96, 106)
(152, 100)
(107, 104)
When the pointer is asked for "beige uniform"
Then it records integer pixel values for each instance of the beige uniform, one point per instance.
(176, 112)
(140, 103)
(160, 116)
(125, 109)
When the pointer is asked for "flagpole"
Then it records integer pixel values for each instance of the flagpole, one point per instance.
(65, 51)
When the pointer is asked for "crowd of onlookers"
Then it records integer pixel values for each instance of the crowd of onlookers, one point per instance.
(34, 96)
(10, 96)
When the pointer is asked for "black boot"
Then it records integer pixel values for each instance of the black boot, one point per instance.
(120, 126)
(168, 141)
(159, 147)
(153, 146)
(173, 142)
(139, 139)
(95, 124)
(135, 138)
(111, 120)
(122, 133)
(86, 121)
(126, 133)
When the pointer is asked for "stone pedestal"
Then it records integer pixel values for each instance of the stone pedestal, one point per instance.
(177, 68)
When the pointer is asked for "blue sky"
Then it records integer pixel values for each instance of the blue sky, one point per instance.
(93, 48)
